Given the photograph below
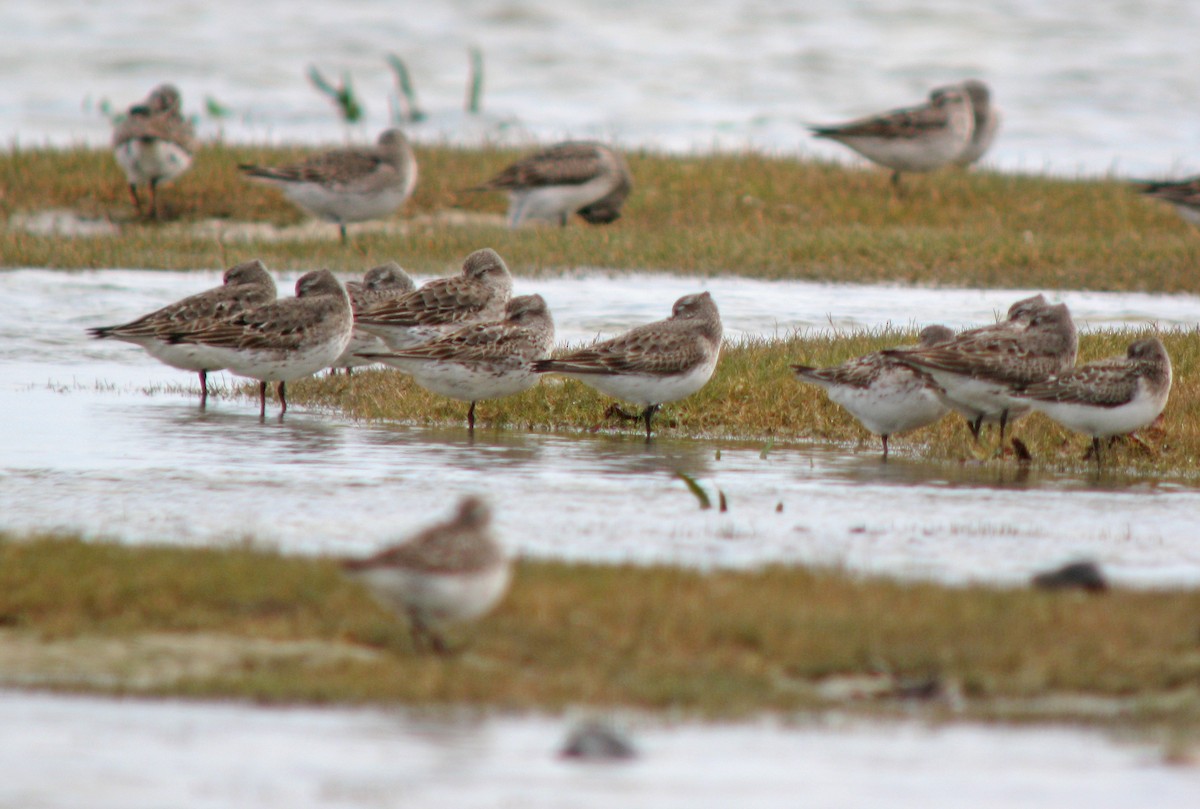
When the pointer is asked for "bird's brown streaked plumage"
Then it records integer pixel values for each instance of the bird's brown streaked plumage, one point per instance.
(245, 286)
(382, 283)
(652, 364)
(883, 394)
(348, 185)
(483, 360)
(452, 572)
(582, 177)
(1108, 397)
(154, 143)
(479, 293)
(284, 340)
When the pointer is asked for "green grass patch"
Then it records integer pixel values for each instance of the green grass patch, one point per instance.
(754, 395)
(247, 623)
(743, 214)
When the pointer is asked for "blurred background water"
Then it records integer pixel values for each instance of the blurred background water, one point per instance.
(1086, 86)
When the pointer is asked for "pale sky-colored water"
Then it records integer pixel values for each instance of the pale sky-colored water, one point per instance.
(1086, 85)
(93, 453)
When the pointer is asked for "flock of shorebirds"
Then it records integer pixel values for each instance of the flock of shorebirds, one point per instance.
(466, 336)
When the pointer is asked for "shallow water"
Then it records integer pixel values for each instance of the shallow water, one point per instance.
(205, 755)
(1085, 86)
(87, 450)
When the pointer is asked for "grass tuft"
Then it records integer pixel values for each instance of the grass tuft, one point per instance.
(242, 622)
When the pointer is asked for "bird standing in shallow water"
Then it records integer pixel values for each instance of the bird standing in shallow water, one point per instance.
(246, 286)
(884, 394)
(483, 360)
(284, 340)
(653, 364)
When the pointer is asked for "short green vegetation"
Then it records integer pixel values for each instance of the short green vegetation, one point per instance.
(240, 622)
(243, 622)
(754, 394)
(743, 214)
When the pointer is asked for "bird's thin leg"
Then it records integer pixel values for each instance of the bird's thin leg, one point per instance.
(283, 397)
(885, 447)
(471, 417)
(203, 388)
(154, 200)
(648, 415)
(262, 400)
(342, 228)
(975, 426)
(137, 201)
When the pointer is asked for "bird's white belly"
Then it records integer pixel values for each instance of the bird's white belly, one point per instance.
(154, 159)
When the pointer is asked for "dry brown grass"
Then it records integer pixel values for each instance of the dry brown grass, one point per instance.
(754, 395)
(742, 214)
(720, 643)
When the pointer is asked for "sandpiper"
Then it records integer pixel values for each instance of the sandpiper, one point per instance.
(348, 185)
(284, 340)
(246, 286)
(1184, 196)
(589, 179)
(987, 121)
(885, 395)
(484, 360)
(479, 294)
(449, 573)
(979, 369)
(382, 283)
(154, 143)
(920, 138)
(652, 364)
(1109, 397)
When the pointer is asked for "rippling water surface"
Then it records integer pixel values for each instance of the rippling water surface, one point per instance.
(94, 453)
(1086, 85)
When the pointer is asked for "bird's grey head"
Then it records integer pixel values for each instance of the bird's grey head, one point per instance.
(1149, 348)
(526, 308)
(164, 98)
(387, 276)
(1023, 310)
(948, 96)
(318, 282)
(695, 307)
(978, 92)
(486, 266)
(248, 272)
(473, 512)
(932, 335)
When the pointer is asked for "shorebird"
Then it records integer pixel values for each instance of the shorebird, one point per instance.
(480, 293)
(987, 121)
(589, 179)
(885, 395)
(652, 364)
(245, 286)
(1110, 397)
(484, 360)
(284, 340)
(153, 143)
(448, 573)
(382, 283)
(979, 369)
(920, 138)
(348, 185)
(1184, 196)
